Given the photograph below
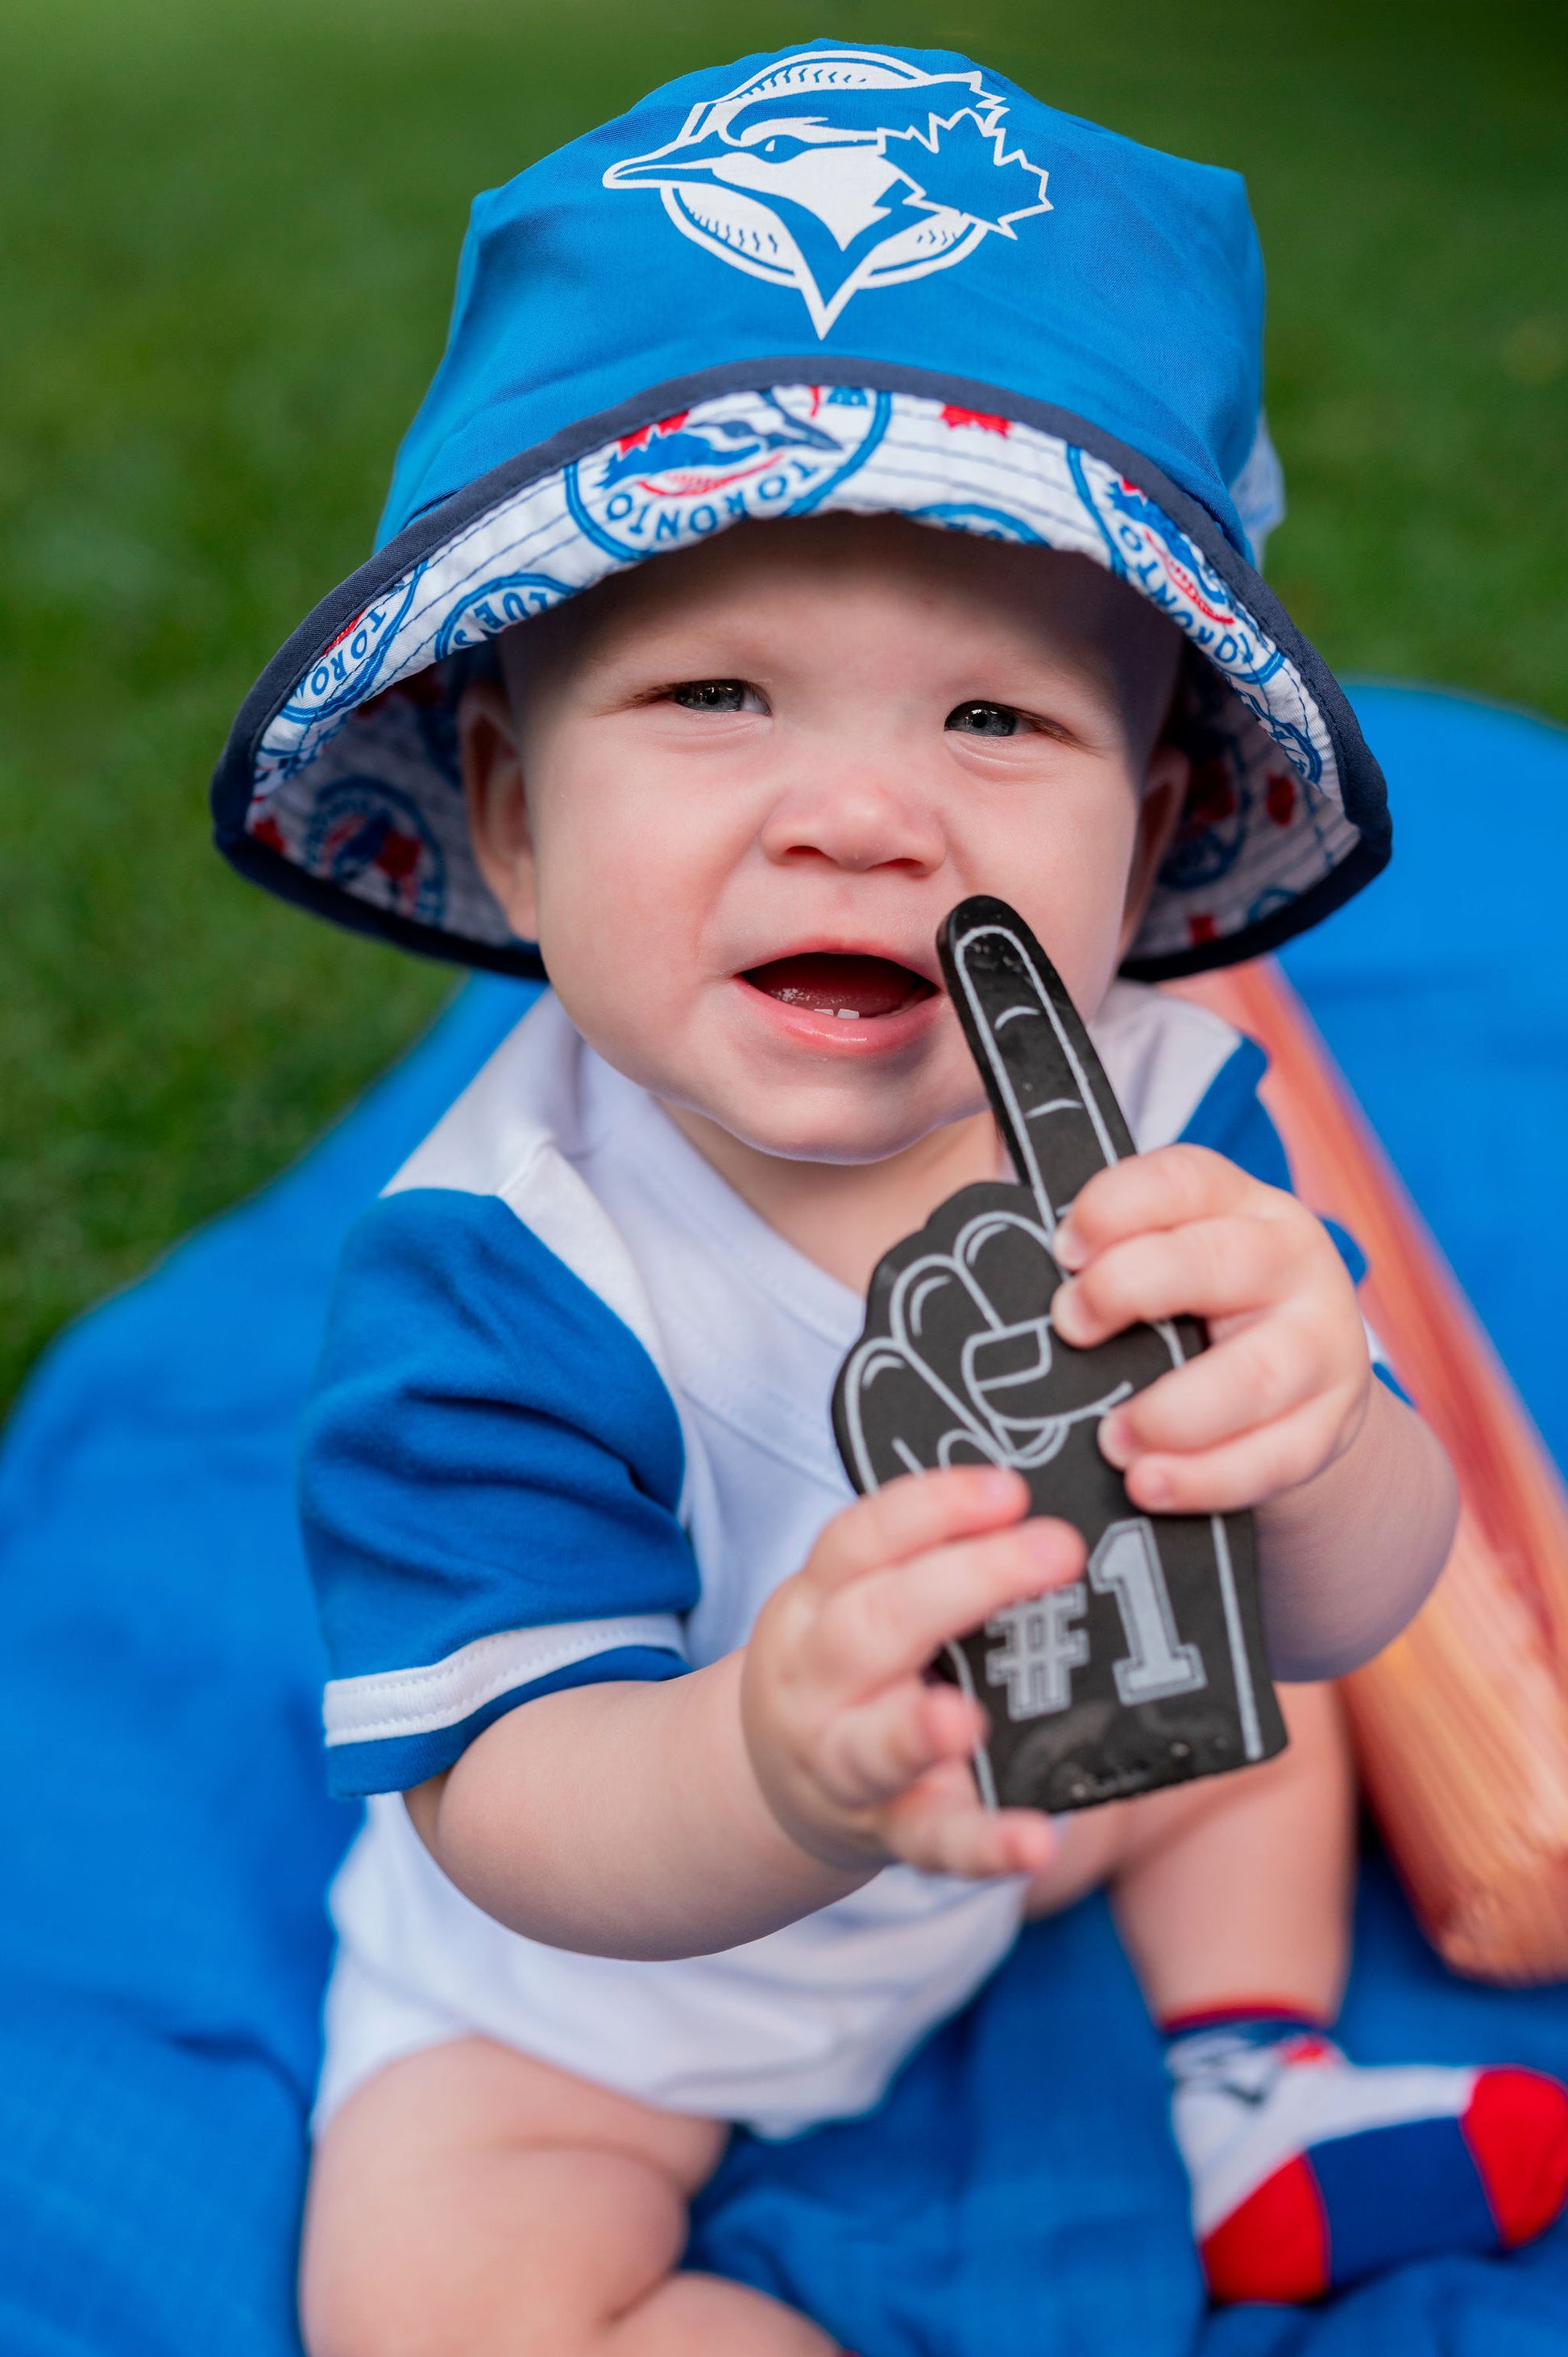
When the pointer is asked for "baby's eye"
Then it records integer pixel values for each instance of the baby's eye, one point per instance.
(987, 720)
(716, 696)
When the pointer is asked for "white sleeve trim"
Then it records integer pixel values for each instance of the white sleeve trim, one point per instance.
(393, 1702)
(513, 1133)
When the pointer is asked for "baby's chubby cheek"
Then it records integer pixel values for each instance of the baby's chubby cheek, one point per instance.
(709, 972)
(643, 984)
(711, 1043)
(651, 978)
(651, 959)
(769, 756)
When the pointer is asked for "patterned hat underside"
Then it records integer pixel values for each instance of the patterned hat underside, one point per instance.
(356, 778)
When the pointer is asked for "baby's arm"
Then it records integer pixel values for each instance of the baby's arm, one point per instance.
(683, 1817)
(1356, 1501)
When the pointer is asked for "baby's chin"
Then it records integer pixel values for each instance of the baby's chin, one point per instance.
(838, 1135)
(792, 1099)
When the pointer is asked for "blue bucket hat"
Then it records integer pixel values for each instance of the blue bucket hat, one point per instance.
(872, 281)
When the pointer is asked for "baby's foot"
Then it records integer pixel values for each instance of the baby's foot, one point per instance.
(1308, 2173)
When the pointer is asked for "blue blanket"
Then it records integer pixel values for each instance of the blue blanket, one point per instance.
(167, 1841)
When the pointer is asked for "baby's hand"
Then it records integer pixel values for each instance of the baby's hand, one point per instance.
(1282, 1390)
(858, 1755)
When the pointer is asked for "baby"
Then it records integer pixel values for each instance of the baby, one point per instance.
(670, 1828)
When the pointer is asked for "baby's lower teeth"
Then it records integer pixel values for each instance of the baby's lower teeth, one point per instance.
(849, 1015)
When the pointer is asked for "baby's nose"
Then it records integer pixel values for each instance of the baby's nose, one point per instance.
(858, 820)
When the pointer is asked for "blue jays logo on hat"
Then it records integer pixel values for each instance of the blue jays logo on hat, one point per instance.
(744, 455)
(839, 170)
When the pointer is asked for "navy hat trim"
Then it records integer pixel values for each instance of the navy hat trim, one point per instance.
(398, 565)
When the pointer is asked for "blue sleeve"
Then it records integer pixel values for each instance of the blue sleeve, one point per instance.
(490, 1475)
(1230, 1117)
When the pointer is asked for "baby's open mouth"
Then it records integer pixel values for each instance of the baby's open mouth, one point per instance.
(830, 981)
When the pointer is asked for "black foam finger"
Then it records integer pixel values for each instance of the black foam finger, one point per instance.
(1053, 1104)
(893, 1415)
(1151, 1668)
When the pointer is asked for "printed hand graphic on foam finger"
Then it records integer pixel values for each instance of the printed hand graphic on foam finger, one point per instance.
(955, 1348)
(1151, 1669)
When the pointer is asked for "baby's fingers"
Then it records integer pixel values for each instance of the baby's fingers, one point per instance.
(1163, 1189)
(877, 1750)
(1210, 1268)
(887, 1625)
(1251, 1378)
(941, 1826)
(910, 1516)
(1247, 1470)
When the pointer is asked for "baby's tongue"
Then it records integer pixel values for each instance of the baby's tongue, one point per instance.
(831, 984)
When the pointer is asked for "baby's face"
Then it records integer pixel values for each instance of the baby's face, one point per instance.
(733, 794)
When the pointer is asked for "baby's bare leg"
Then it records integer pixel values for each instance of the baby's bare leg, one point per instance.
(1234, 1889)
(470, 2202)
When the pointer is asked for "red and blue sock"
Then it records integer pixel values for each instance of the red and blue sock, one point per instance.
(1308, 2173)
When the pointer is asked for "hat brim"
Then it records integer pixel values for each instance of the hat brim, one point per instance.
(339, 790)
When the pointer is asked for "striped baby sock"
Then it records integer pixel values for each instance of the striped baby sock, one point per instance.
(1308, 2173)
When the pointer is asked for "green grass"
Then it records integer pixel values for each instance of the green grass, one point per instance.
(227, 238)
